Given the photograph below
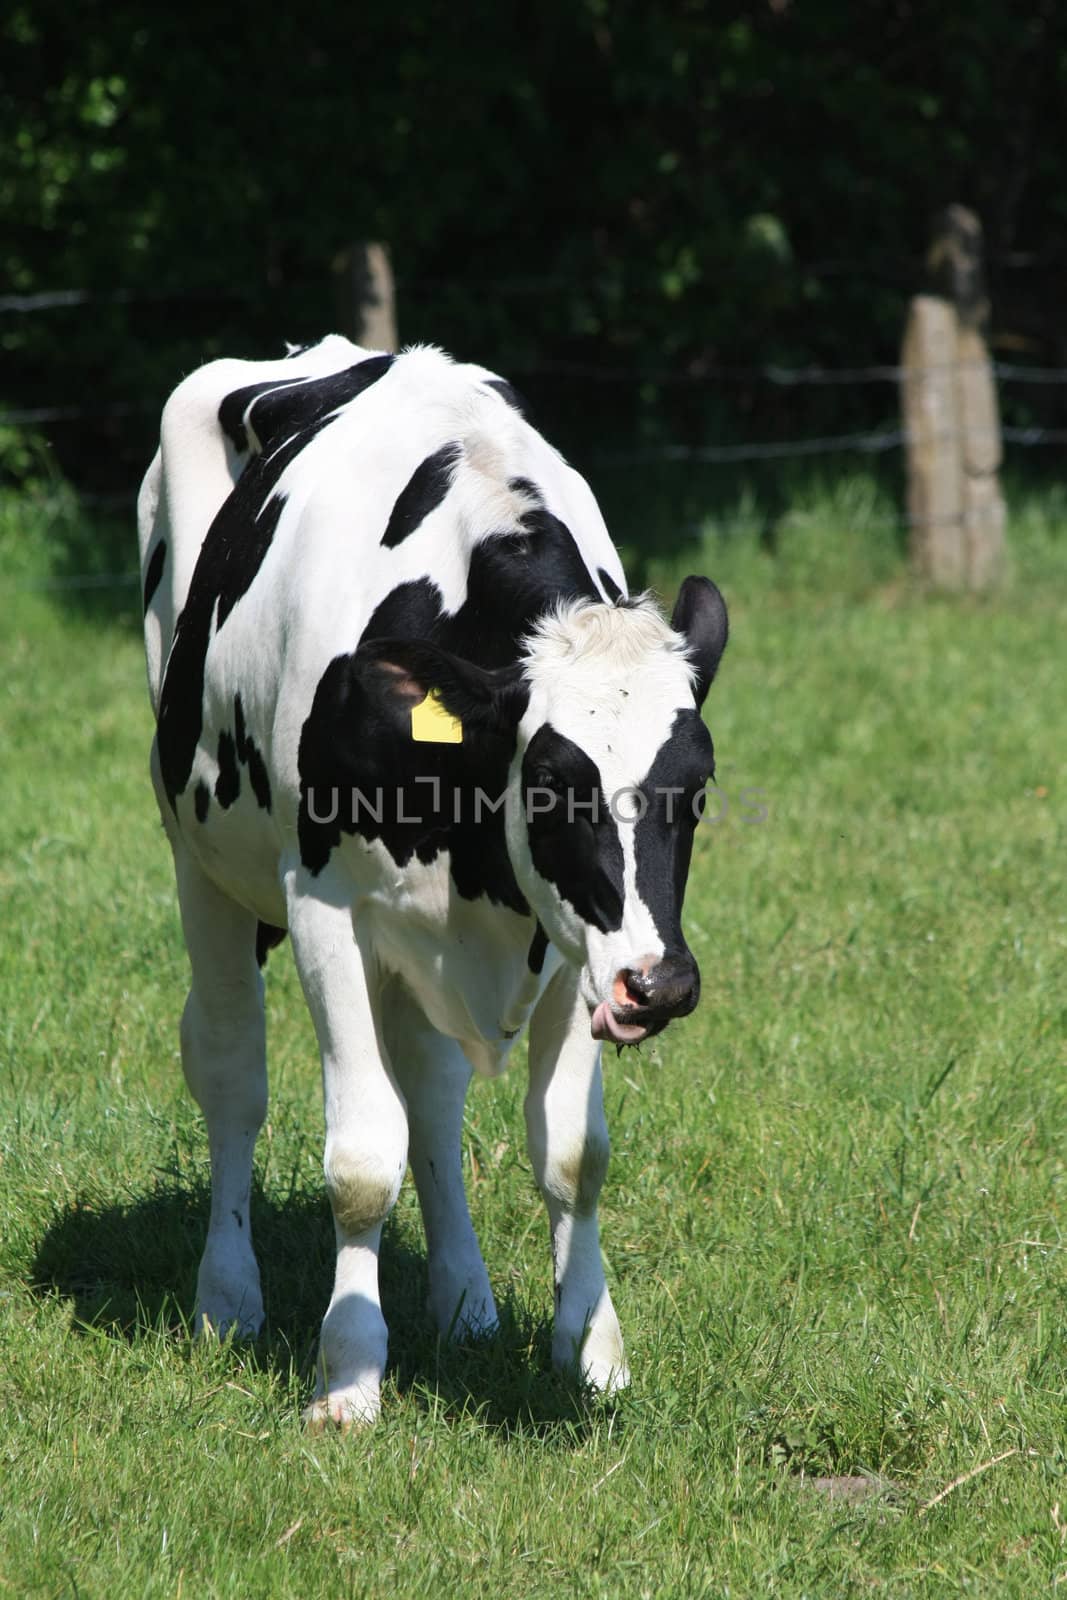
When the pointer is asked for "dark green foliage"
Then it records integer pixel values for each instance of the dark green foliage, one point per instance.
(659, 188)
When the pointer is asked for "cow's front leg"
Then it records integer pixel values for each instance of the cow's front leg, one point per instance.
(567, 1137)
(223, 1041)
(366, 1151)
(434, 1075)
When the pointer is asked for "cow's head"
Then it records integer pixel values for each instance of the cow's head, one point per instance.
(609, 760)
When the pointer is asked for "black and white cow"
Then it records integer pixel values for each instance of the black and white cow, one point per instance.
(405, 712)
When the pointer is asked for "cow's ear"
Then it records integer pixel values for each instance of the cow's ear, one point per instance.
(420, 678)
(700, 617)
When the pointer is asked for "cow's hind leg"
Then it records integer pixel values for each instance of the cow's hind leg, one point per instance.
(567, 1137)
(434, 1075)
(366, 1145)
(223, 1040)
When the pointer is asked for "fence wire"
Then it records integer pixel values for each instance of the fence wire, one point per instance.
(870, 442)
(887, 522)
(778, 376)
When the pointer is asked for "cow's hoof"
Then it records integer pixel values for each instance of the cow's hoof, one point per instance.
(467, 1317)
(229, 1300)
(605, 1379)
(340, 1411)
(223, 1322)
(598, 1362)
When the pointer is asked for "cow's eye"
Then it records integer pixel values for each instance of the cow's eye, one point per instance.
(544, 779)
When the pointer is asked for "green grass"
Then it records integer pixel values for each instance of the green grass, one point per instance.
(835, 1215)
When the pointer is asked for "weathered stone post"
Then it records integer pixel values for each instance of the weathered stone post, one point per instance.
(951, 418)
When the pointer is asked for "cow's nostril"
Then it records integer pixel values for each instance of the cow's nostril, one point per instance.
(624, 991)
(631, 988)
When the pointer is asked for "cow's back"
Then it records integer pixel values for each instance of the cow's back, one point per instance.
(336, 451)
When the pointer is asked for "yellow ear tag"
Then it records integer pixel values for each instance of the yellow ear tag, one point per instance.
(432, 724)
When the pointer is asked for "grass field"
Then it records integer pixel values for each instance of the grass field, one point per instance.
(836, 1220)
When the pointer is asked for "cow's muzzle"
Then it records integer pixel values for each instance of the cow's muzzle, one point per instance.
(645, 997)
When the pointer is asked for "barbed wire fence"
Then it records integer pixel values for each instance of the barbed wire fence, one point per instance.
(868, 442)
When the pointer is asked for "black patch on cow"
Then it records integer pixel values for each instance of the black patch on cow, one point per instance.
(287, 417)
(250, 756)
(507, 392)
(663, 836)
(282, 406)
(201, 800)
(410, 611)
(238, 749)
(609, 586)
(535, 956)
(347, 743)
(574, 840)
(519, 574)
(233, 408)
(514, 577)
(267, 938)
(257, 772)
(361, 773)
(228, 782)
(423, 493)
(229, 560)
(154, 572)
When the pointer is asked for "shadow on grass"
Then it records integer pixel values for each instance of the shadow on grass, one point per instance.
(130, 1270)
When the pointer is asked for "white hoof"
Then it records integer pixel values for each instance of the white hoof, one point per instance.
(229, 1302)
(465, 1313)
(229, 1319)
(598, 1360)
(342, 1409)
(606, 1378)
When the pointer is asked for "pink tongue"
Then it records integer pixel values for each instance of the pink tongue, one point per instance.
(606, 1025)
